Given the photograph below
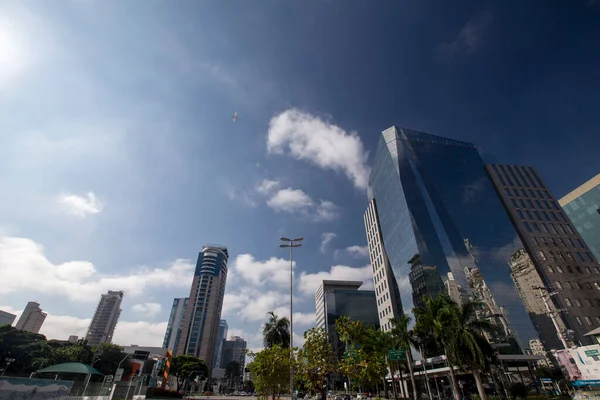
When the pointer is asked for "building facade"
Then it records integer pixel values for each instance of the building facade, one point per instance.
(320, 298)
(558, 252)
(105, 318)
(387, 293)
(455, 290)
(173, 332)
(6, 318)
(32, 318)
(233, 349)
(438, 212)
(203, 310)
(221, 336)
(582, 207)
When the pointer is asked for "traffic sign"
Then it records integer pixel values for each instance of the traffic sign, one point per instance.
(546, 380)
(591, 353)
(119, 374)
(397, 355)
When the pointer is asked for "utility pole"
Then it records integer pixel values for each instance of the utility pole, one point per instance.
(545, 294)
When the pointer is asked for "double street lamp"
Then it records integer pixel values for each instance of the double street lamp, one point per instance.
(291, 243)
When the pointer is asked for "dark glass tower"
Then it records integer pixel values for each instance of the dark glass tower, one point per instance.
(439, 213)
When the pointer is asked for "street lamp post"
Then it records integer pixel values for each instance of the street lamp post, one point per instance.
(291, 243)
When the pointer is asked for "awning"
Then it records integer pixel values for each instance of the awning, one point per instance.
(70, 368)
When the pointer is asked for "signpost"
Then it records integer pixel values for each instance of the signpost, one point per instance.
(397, 355)
(119, 374)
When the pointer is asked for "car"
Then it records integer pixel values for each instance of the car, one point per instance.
(361, 396)
(338, 397)
(242, 393)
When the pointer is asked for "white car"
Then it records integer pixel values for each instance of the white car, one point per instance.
(361, 396)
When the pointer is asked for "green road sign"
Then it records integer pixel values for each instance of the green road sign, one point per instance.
(397, 355)
(592, 353)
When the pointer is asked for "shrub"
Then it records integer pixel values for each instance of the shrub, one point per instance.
(518, 391)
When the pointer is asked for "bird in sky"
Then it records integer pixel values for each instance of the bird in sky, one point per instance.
(234, 117)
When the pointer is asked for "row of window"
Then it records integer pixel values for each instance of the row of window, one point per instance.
(558, 242)
(385, 297)
(509, 178)
(576, 285)
(386, 311)
(549, 255)
(541, 216)
(539, 204)
(577, 269)
(548, 227)
(588, 320)
(577, 302)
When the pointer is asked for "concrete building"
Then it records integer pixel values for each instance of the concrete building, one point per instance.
(73, 338)
(32, 318)
(173, 332)
(432, 197)
(582, 207)
(221, 336)
(455, 290)
(233, 349)
(537, 348)
(389, 304)
(527, 280)
(102, 326)
(557, 250)
(328, 287)
(203, 310)
(6, 318)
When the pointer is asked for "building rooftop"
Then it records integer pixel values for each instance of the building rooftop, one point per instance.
(581, 190)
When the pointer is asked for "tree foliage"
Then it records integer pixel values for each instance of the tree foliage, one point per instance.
(185, 366)
(271, 370)
(108, 357)
(316, 361)
(276, 331)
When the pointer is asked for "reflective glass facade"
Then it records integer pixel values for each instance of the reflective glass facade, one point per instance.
(583, 209)
(433, 195)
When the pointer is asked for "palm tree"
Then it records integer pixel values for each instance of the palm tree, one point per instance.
(378, 342)
(433, 318)
(467, 346)
(276, 331)
(404, 338)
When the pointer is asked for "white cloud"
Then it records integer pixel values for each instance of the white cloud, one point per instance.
(290, 200)
(150, 310)
(15, 53)
(310, 282)
(305, 319)
(307, 137)
(22, 258)
(470, 36)
(326, 238)
(295, 201)
(241, 196)
(253, 304)
(80, 206)
(358, 251)
(267, 186)
(275, 270)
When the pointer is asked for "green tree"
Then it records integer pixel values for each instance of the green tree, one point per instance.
(466, 342)
(29, 350)
(248, 386)
(379, 343)
(433, 320)
(317, 361)
(271, 370)
(184, 366)
(233, 371)
(404, 338)
(108, 357)
(276, 331)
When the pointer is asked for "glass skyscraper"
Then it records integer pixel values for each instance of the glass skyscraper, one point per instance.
(582, 206)
(438, 212)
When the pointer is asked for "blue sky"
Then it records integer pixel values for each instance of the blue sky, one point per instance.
(119, 159)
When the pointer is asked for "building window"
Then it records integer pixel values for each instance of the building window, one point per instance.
(568, 302)
(588, 303)
(568, 285)
(527, 227)
(549, 268)
(558, 285)
(597, 286)
(588, 320)
(559, 269)
(542, 255)
(597, 319)
(569, 269)
(578, 320)
(578, 302)
(520, 214)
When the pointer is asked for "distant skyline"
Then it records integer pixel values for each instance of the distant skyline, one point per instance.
(120, 160)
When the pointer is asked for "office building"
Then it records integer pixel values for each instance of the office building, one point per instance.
(537, 348)
(221, 336)
(233, 349)
(582, 207)
(203, 310)
(540, 308)
(173, 332)
(6, 318)
(320, 299)
(557, 250)
(32, 318)
(438, 212)
(105, 318)
(387, 292)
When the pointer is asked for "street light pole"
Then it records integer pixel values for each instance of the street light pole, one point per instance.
(8, 362)
(291, 243)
